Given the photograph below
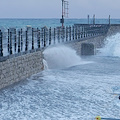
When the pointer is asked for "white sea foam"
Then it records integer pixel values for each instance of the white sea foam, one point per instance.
(112, 46)
(62, 57)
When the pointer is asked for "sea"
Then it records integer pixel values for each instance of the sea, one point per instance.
(72, 87)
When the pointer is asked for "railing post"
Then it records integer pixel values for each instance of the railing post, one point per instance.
(54, 35)
(58, 33)
(21, 40)
(10, 43)
(62, 33)
(26, 44)
(50, 36)
(32, 38)
(15, 39)
(70, 33)
(73, 32)
(44, 37)
(78, 32)
(38, 37)
(18, 41)
(66, 33)
(1, 44)
(8, 40)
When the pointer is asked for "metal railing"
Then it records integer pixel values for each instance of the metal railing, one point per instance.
(17, 41)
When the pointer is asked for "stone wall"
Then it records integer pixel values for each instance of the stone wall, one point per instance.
(18, 68)
(98, 42)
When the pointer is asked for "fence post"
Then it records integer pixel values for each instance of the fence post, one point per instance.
(18, 41)
(26, 44)
(8, 40)
(10, 43)
(1, 45)
(50, 36)
(21, 40)
(32, 38)
(38, 37)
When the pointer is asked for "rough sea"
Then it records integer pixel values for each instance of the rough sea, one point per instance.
(71, 87)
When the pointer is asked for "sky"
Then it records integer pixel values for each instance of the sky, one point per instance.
(52, 8)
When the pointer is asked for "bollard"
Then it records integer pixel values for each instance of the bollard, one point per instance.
(1, 44)
(10, 43)
(18, 41)
(32, 38)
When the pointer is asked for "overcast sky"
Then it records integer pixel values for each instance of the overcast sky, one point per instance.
(52, 8)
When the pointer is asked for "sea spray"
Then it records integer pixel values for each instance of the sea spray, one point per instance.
(112, 46)
(61, 57)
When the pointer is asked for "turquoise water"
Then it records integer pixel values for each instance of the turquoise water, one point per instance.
(21, 23)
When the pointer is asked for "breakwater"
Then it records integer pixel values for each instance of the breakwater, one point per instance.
(21, 49)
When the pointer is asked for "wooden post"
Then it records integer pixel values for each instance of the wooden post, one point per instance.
(10, 43)
(26, 44)
(1, 44)
(32, 38)
(18, 41)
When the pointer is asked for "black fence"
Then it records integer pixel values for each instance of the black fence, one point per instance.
(17, 41)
